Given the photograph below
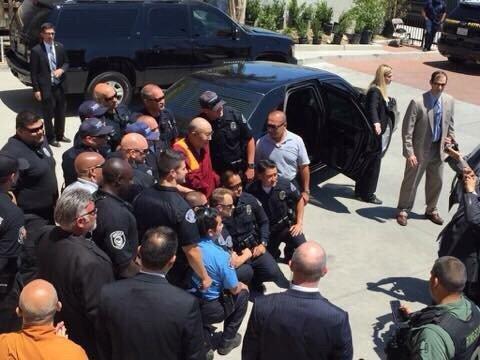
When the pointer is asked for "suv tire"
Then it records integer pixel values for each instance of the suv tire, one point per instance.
(118, 81)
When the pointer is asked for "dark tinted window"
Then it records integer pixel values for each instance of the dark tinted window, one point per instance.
(466, 12)
(210, 22)
(168, 21)
(95, 22)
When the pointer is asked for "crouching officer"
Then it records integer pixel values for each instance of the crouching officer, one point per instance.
(116, 231)
(284, 206)
(248, 227)
(448, 330)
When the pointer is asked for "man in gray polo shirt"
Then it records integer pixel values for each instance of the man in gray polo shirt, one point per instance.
(287, 150)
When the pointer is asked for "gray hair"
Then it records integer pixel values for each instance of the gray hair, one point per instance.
(70, 206)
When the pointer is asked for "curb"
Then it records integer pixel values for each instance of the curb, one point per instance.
(335, 47)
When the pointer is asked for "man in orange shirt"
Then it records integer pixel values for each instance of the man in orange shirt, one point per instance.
(195, 147)
(39, 339)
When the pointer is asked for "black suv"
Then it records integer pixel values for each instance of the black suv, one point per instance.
(460, 38)
(131, 43)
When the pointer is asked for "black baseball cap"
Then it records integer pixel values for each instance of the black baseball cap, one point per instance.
(210, 100)
(9, 164)
(94, 127)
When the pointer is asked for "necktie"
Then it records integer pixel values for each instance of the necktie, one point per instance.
(437, 121)
(53, 64)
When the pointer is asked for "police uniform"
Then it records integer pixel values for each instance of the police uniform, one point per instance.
(167, 127)
(68, 161)
(228, 146)
(118, 119)
(164, 206)
(279, 205)
(116, 231)
(248, 227)
(12, 237)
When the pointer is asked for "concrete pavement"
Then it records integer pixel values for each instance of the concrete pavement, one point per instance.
(371, 259)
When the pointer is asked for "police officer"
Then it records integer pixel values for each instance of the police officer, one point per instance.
(248, 227)
(284, 206)
(162, 205)
(36, 189)
(116, 231)
(117, 116)
(12, 236)
(232, 145)
(450, 328)
(93, 137)
(154, 105)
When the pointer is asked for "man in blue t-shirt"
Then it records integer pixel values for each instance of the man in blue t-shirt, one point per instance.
(227, 298)
(434, 13)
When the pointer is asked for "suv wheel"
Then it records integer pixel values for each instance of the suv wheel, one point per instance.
(118, 81)
(387, 136)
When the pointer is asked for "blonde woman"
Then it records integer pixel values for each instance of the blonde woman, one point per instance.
(376, 107)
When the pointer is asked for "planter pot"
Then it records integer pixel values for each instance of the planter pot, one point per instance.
(355, 39)
(328, 28)
(317, 40)
(302, 40)
(366, 37)
(337, 39)
(388, 29)
(335, 27)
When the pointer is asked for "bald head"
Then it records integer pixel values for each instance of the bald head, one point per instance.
(86, 161)
(196, 199)
(199, 124)
(101, 90)
(38, 302)
(115, 170)
(309, 262)
(150, 89)
(277, 115)
(133, 141)
(149, 121)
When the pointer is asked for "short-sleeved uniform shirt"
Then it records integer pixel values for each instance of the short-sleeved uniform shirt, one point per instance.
(118, 119)
(12, 231)
(217, 263)
(231, 134)
(248, 218)
(36, 189)
(288, 155)
(279, 203)
(116, 231)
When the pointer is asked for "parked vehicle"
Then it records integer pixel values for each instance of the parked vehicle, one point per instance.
(131, 43)
(321, 107)
(460, 39)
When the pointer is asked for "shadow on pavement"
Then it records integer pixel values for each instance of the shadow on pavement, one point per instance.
(403, 288)
(381, 334)
(465, 68)
(383, 213)
(326, 197)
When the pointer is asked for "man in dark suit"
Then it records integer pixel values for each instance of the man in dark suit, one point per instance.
(145, 317)
(299, 323)
(48, 64)
(75, 266)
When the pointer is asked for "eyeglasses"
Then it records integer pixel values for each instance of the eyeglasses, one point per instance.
(235, 187)
(50, 33)
(112, 97)
(440, 84)
(141, 151)
(92, 212)
(34, 130)
(99, 166)
(161, 98)
(227, 206)
(275, 127)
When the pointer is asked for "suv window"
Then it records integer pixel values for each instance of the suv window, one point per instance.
(96, 23)
(174, 20)
(206, 22)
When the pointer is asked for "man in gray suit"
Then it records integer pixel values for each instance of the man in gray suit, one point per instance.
(427, 128)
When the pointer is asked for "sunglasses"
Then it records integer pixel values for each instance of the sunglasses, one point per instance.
(34, 130)
(227, 206)
(161, 98)
(92, 212)
(141, 151)
(275, 127)
(235, 187)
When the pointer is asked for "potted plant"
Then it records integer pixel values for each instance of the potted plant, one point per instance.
(302, 22)
(321, 18)
(370, 14)
(302, 29)
(266, 18)
(344, 22)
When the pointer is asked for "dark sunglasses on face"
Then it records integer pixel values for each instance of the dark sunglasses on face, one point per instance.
(235, 187)
(34, 130)
(157, 99)
(141, 151)
(112, 97)
(275, 127)
(225, 206)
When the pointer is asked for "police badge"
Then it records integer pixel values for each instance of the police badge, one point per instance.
(118, 239)
(282, 195)
(248, 209)
(233, 126)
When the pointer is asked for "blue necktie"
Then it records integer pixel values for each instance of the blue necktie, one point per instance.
(53, 64)
(437, 121)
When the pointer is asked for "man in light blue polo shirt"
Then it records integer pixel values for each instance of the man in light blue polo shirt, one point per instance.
(216, 305)
(287, 150)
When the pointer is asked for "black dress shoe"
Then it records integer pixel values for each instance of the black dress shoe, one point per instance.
(65, 139)
(54, 143)
(372, 199)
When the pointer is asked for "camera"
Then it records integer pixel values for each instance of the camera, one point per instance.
(453, 146)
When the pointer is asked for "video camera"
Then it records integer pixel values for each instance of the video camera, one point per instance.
(249, 241)
(396, 347)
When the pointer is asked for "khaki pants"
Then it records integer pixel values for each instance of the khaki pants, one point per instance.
(432, 165)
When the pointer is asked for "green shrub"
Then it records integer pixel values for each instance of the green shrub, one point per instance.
(254, 7)
(369, 14)
(345, 21)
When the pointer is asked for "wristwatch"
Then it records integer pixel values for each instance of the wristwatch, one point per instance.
(251, 165)
(307, 192)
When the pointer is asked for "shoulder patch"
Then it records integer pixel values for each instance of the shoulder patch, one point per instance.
(1, 220)
(190, 216)
(243, 119)
(293, 187)
(118, 239)
(46, 152)
(22, 234)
